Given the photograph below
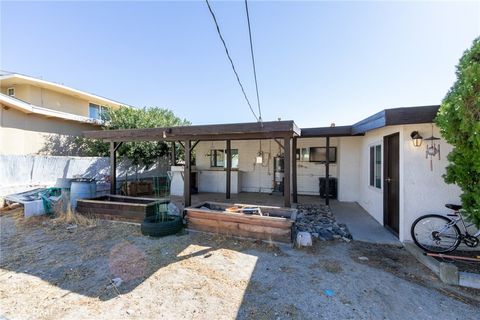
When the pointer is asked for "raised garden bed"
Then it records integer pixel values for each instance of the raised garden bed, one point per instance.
(274, 223)
(115, 207)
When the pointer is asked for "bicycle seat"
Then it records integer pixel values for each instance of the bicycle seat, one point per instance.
(455, 207)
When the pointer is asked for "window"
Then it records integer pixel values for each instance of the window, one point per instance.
(303, 154)
(218, 158)
(319, 154)
(376, 166)
(95, 111)
(11, 92)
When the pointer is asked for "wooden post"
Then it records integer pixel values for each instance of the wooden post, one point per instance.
(174, 155)
(287, 172)
(113, 167)
(294, 170)
(229, 169)
(327, 172)
(187, 174)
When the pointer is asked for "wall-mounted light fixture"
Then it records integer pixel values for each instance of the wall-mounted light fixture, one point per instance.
(416, 139)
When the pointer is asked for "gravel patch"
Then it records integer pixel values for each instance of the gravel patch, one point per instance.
(320, 222)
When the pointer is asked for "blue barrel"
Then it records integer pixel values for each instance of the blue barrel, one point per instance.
(82, 190)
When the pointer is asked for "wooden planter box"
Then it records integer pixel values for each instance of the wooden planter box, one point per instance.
(138, 188)
(115, 207)
(275, 225)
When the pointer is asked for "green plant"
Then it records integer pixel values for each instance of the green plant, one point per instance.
(459, 122)
(139, 153)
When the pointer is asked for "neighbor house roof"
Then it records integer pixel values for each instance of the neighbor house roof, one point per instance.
(387, 117)
(12, 79)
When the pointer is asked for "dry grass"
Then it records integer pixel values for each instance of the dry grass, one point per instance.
(69, 217)
(59, 217)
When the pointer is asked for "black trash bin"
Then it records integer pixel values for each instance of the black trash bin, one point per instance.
(332, 186)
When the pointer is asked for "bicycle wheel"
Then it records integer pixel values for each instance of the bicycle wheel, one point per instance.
(434, 233)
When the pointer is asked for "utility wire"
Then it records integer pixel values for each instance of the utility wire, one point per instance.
(253, 62)
(230, 59)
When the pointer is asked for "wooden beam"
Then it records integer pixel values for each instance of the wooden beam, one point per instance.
(138, 136)
(294, 170)
(287, 172)
(187, 174)
(194, 132)
(195, 144)
(174, 153)
(280, 144)
(327, 172)
(119, 144)
(181, 144)
(113, 168)
(229, 168)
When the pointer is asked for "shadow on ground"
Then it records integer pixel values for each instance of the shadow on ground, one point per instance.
(51, 271)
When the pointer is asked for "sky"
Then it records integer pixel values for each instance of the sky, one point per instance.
(317, 62)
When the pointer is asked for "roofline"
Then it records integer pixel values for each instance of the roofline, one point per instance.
(386, 117)
(61, 86)
(339, 131)
(396, 116)
(30, 108)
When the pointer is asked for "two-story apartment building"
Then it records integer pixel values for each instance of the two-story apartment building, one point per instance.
(35, 111)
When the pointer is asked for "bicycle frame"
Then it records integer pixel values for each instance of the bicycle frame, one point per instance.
(458, 217)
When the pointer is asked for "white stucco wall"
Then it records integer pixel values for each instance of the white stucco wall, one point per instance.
(259, 178)
(424, 189)
(371, 198)
(349, 160)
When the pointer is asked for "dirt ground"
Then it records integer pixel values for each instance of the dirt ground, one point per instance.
(53, 270)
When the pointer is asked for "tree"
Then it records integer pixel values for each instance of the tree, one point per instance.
(139, 153)
(459, 122)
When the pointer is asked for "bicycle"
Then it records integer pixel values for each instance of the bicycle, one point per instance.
(437, 233)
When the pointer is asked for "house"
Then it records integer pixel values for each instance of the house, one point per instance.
(375, 162)
(35, 111)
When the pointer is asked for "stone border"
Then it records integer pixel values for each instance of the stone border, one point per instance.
(447, 272)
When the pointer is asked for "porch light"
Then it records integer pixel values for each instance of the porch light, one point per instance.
(416, 139)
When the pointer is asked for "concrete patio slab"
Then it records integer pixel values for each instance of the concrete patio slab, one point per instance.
(362, 226)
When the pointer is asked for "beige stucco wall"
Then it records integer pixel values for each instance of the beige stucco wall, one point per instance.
(51, 99)
(22, 133)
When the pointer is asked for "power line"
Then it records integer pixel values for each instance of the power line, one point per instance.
(230, 59)
(253, 61)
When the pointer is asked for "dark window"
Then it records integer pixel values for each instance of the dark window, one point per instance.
(372, 166)
(319, 154)
(376, 166)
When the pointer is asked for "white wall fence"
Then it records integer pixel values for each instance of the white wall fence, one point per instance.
(22, 172)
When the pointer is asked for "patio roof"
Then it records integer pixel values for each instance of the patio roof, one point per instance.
(232, 131)
(185, 135)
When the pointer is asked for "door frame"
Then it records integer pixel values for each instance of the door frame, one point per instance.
(385, 186)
